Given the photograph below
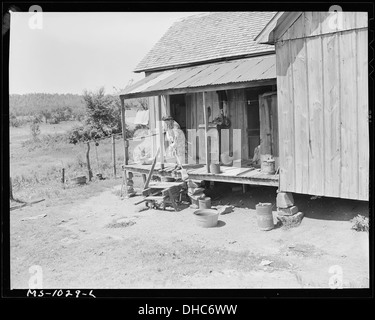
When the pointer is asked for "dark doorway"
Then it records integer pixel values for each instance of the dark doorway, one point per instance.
(178, 109)
(253, 123)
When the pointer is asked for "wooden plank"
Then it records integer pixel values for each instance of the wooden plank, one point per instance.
(152, 122)
(312, 23)
(348, 20)
(213, 138)
(159, 127)
(201, 146)
(301, 114)
(237, 146)
(244, 136)
(348, 98)
(275, 129)
(316, 127)
(332, 132)
(263, 181)
(361, 19)
(225, 140)
(199, 104)
(326, 24)
(151, 170)
(286, 118)
(205, 119)
(123, 126)
(362, 114)
(296, 30)
(192, 145)
(265, 130)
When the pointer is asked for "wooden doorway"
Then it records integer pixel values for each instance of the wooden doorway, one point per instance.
(178, 110)
(253, 116)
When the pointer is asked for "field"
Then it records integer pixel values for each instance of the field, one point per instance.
(35, 166)
(88, 237)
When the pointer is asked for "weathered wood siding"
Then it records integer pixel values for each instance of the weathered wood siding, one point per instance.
(322, 85)
(237, 113)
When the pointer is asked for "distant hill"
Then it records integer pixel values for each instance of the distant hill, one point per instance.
(32, 103)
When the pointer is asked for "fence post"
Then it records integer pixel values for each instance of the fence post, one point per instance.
(10, 189)
(114, 155)
(88, 160)
(63, 175)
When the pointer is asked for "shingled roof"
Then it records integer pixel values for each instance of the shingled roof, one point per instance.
(210, 37)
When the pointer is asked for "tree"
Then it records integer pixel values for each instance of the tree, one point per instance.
(103, 117)
(102, 112)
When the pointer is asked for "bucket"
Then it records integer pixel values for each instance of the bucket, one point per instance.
(194, 203)
(268, 166)
(205, 203)
(264, 216)
(206, 218)
(215, 168)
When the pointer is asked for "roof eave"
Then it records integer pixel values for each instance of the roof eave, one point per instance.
(192, 64)
(226, 86)
(276, 27)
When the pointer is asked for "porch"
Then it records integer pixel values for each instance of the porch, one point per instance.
(246, 174)
(227, 108)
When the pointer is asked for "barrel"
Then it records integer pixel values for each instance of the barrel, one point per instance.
(264, 216)
(205, 203)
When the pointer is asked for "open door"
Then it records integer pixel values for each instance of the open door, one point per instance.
(269, 136)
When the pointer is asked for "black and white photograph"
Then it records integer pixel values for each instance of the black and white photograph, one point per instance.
(188, 150)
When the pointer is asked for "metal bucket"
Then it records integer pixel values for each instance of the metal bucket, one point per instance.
(264, 216)
(205, 203)
(268, 166)
(215, 168)
(206, 218)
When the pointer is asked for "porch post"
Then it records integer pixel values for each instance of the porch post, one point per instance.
(127, 178)
(126, 151)
(160, 130)
(205, 132)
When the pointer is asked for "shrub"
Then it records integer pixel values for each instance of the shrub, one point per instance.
(360, 223)
(14, 121)
(35, 130)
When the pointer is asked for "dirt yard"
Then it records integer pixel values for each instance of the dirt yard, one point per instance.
(105, 242)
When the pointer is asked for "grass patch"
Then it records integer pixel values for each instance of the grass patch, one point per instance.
(360, 223)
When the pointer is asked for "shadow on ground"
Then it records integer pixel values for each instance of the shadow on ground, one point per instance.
(322, 208)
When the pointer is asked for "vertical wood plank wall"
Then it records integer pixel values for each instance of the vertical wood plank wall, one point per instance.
(322, 85)
(237, 112)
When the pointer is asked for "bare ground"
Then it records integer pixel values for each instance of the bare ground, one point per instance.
(105, 242)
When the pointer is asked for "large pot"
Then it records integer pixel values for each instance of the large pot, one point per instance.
(206, 218)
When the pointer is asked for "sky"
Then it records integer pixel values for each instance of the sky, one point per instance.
(71, 52)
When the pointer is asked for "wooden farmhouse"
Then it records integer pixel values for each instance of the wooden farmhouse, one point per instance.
(322, 93)
(286, 85)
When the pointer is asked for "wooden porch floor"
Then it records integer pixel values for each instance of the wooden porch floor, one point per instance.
(244, 175)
